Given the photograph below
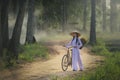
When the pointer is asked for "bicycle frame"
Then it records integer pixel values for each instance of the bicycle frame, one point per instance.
(69, 56)
(67, 60)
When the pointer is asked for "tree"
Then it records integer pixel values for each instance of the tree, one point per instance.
(60, 12)
(14, 42)
(113, 16)
(14, 7)
(104, 14)
(1, 49)
(30, 24)
(63, 14)
(51, 13)
(93, 23)
(4, 22)
(84, 14)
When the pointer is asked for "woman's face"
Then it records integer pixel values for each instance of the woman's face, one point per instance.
(74, 35)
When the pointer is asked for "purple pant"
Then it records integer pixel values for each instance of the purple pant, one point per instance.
(76, 60)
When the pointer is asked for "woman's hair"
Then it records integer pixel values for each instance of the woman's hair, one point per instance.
(76, 38)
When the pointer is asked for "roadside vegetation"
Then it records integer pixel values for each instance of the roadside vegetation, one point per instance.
(32, 51)
(28, 53)
(108, 70)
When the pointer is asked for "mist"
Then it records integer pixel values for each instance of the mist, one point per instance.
(73, 23)
(34, 35)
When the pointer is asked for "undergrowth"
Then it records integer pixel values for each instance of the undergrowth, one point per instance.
(28, 53)
(100, 49)
(32, 51)
(110, 70)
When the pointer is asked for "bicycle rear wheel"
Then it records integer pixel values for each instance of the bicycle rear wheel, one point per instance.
(64, 63)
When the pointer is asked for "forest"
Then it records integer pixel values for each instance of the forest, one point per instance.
(29, 27)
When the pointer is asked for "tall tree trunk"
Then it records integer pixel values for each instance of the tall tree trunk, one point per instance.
(63, 15)
(1, 49)
(84, 14)
(15, 7)
(104, 14)
(15, 40)
(4, 21)
(65, 11)
(93, 23)
(30, 24)
(113, 16)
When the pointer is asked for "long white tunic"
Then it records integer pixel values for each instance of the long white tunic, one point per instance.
(76, 59)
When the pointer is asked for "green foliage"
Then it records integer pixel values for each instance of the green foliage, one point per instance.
(7, 60)
(51, 12)
(29, 53)
(83, 77)
(32, 51)
(110, 70)
(100, 48)
(2, 65)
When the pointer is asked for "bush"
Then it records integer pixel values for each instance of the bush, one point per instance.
(111, 68)
(100, 49)
(109, 71)
(31, 51)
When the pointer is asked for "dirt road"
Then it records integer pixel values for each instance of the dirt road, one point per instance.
(43, 70)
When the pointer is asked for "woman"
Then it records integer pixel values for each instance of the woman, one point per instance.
(76, 44)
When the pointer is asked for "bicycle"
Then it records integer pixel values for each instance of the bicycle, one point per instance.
(67, 60)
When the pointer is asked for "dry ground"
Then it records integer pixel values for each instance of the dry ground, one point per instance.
(43, 70)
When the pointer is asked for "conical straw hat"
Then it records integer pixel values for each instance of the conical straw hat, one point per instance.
(73, 32)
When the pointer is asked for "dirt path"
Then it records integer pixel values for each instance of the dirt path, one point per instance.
(42, 70)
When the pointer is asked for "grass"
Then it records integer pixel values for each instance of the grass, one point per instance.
(31, 51)
(110, 70)
(100, 48)
(28, 53)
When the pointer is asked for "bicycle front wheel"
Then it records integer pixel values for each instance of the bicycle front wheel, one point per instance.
(64, 63)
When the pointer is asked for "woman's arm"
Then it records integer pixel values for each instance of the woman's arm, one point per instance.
(68, 45)
(79, 43)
